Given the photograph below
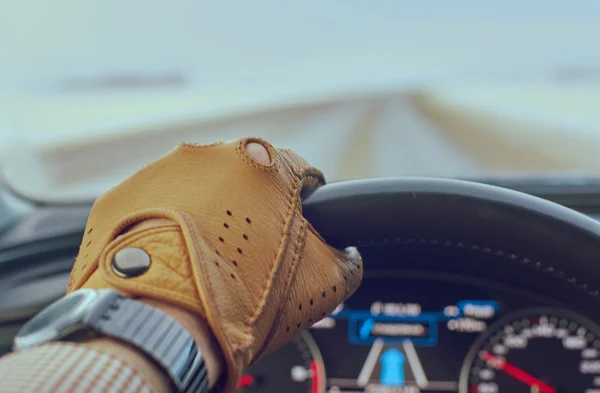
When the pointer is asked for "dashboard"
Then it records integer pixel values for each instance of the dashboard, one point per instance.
(462, 292)
(424, 333)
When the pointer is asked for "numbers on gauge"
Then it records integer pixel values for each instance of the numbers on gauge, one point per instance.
(538, 350)
(299, 373)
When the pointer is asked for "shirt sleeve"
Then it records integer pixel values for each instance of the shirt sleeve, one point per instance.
(67, 368)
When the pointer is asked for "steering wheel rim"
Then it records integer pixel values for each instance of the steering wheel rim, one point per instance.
(523, 229)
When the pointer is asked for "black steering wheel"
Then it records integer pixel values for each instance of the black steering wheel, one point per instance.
(471, 228)
(434, 225)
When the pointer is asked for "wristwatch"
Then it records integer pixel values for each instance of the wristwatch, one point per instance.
(106, 312)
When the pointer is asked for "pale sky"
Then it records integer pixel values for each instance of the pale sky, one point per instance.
(262, 45)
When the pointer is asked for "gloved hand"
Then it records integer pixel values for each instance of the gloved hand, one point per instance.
(235, 249)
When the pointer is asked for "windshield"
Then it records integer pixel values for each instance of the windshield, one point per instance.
(462, 89)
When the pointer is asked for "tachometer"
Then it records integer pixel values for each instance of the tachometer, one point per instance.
(295, 368)
(542, 350)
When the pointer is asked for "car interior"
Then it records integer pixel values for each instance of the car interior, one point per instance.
(460, 278)
(459, 140)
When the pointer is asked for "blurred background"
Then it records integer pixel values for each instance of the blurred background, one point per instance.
(92, 90)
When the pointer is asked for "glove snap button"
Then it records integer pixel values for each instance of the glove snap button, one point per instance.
(130, 262)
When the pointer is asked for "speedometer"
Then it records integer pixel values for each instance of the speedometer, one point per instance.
(295, 368)
(541, 350)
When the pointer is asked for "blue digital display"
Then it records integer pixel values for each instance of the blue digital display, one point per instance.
(364, 328)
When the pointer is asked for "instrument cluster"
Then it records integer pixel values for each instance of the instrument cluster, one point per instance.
(437, 334)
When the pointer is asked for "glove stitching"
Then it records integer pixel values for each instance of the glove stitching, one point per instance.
(231, 342)
(86, 271)
(149, 233)
(171, 243)
(301, 239)
(191, 229)
(111, 250)
(286, 223)
(229, 345)
(297, 256)
(240, 149)
(196, 146)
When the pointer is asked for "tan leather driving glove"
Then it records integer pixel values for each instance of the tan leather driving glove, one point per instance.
(237, 251)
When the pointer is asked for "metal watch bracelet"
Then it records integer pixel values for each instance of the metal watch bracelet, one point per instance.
(108, 313)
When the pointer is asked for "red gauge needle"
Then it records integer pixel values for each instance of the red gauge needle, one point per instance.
(517, 373)
(245, 381)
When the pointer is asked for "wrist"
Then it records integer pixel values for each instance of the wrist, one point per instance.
(150, 370)
(195, 326)
(201, 333)
(147, 370)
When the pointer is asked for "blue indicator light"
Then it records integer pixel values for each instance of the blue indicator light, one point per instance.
(482, 309)
(463, 303)
(392, 368)
(365, 329)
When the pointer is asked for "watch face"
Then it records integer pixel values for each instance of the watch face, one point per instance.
(57, 320)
